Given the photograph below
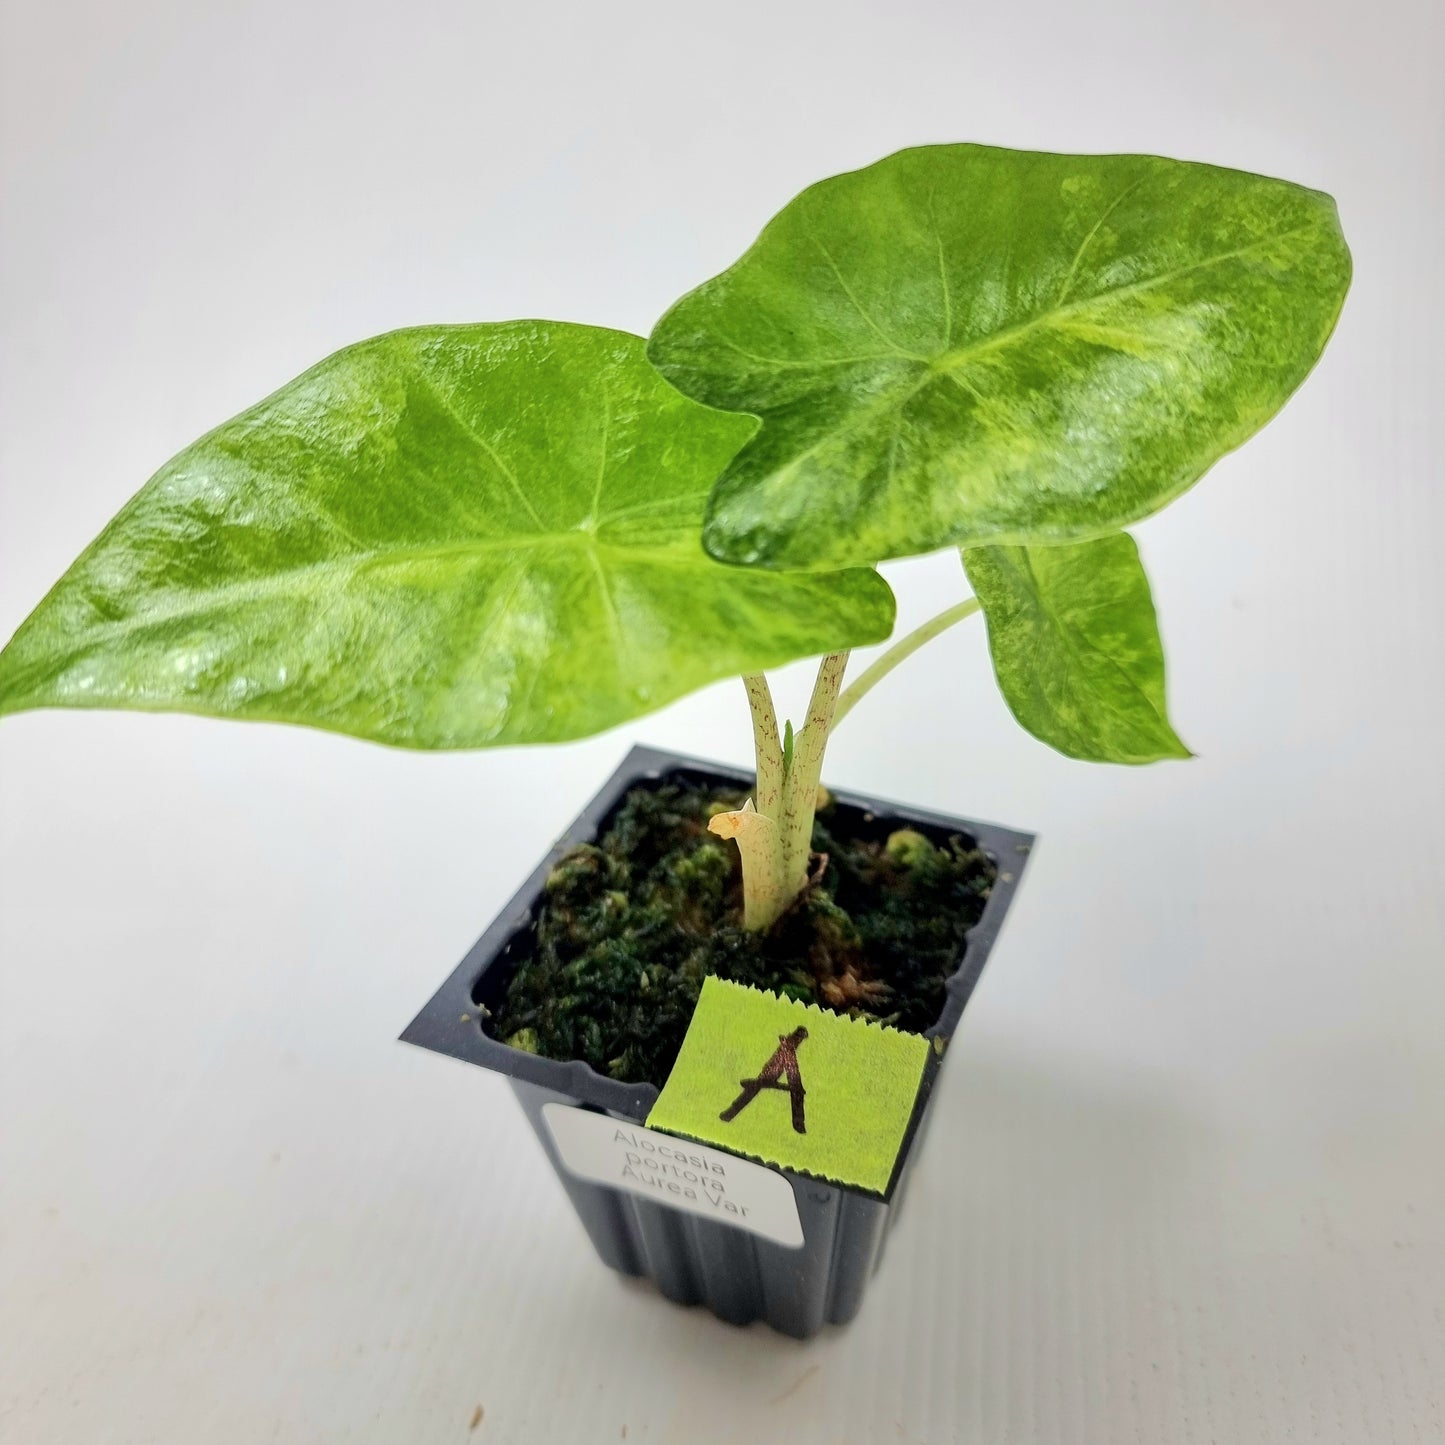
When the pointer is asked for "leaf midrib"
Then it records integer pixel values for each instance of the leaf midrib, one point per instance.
(199, 600)
(948, 362)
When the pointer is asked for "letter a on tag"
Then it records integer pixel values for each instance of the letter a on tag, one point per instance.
(782, 1066)
(738, 1084)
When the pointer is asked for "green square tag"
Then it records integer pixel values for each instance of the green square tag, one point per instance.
(793, 1085)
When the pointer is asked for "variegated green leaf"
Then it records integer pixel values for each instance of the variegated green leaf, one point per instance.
(447, 537)
(962, 344)
(1076, 648)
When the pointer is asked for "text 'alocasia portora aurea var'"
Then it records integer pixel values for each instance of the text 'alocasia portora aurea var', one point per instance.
(513, 532)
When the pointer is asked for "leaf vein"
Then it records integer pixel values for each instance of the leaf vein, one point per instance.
(868, 321)
(1094, 231)
(495, 456)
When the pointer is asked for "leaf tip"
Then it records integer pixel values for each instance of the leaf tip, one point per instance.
(725, 543)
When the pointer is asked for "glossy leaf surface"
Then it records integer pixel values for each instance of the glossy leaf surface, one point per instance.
(1075, 647)
(445, 537)
(962, 344)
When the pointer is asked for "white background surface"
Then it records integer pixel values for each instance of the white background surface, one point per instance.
(1188, 1182)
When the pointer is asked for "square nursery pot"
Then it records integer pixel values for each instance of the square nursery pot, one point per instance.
(738, 1274)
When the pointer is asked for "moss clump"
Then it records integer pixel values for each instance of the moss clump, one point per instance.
(630, 926)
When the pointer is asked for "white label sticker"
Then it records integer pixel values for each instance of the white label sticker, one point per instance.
(676, 1172)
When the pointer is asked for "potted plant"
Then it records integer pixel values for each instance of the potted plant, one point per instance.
(723, 1000)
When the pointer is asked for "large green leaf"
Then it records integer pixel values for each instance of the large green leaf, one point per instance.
(1076, 648)
(446, 537)
(961, 344)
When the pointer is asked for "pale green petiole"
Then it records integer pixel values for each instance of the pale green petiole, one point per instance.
(767, 747)
(800, 790)
(774, 828)
(901, 651)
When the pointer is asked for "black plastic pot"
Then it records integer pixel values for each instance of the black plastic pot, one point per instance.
(738, 1275)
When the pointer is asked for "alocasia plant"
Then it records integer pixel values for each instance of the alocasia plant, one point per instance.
(463, 536)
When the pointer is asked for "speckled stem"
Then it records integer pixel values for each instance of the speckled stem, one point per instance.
(800, 790)
(768, 795)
